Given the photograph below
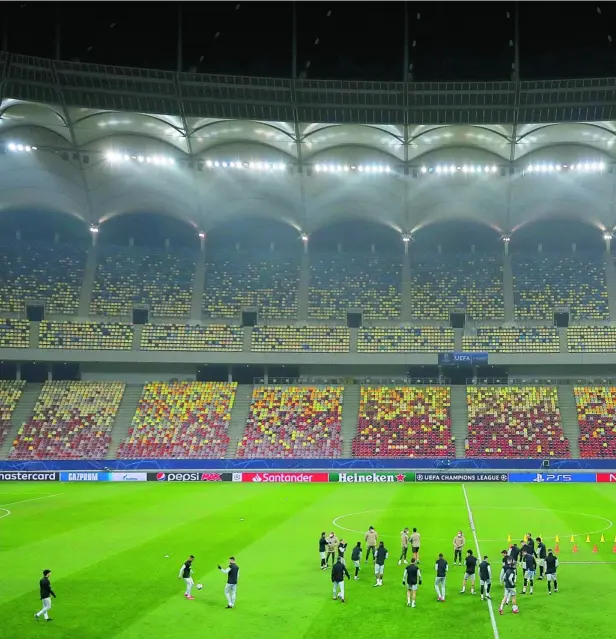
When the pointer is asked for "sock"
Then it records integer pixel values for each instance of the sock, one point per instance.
(525, 582)
(555, 585)
(549, 586)
(443, 591)
(438, 592)
(356, 571)
(489, 586)
(532, 583)
(482, 591)
(341, 587)
(541, 571)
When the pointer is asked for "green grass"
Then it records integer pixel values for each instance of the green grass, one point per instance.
(106, 545)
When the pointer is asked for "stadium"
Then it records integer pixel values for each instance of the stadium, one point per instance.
(223, 281)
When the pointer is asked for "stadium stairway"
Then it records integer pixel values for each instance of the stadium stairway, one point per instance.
(303, 287)
(459, 418)
(406, 308)
(137, 333)
(239, 417)
(23, 411)
(85, 297)
(124, 418)
(33, 338)
(247, 339)
(508, 289)
(350, 416)
(198, 286)
(562, 340)
(569, 419)
(610, 282)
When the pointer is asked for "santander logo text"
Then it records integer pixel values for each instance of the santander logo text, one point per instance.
(285, 478)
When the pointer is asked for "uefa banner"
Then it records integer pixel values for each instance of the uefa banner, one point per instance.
(462, 477)
(282, 478)
(190, 476)
(371, 478)
(606, 478)
(553, 478)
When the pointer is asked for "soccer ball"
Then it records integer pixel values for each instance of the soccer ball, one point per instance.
(199, 586)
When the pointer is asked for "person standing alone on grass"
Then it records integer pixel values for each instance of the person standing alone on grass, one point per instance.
(404, 544)
(415, 543)
(411, 578)
(505, 560)
(332, 545)
(379, 563)
(458, 546)
(371, 539)
(232, 573)
(338, 573)
(186, 575)
(323, 551)
(510, 578)
(551, 564)
(46, 594)
(356, 558)
(441, 568)
(485, 578)
(469, 573)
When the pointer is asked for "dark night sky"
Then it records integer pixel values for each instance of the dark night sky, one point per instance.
(342, 40)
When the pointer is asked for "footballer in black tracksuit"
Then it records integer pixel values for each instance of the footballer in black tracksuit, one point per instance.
(356, 558)
(342, 546)
(551, 564)
(339, 572)
(469, 572)
(323, 551)
(530, 565)
(411, 578)
(542, 553)
(485, 577)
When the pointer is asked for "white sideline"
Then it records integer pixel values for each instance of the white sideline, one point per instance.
(471, 522)
(23, 501)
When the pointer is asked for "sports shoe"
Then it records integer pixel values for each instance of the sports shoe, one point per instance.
(408, 604)
(549, 592)
(405, 561)
(356, 578)
(190, 597)
(500, 611)
(342, 601)
(399, 563)
(481, 597)
(229, 607)
(488, 597)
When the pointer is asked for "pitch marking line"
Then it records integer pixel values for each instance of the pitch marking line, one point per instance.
(7, 512)
(471, 522)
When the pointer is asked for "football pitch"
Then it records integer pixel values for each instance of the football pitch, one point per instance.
(107, 545)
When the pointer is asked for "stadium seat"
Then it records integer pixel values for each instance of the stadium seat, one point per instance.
(404, 421)
(38, 272)
(128, 276)
(591, 339)
(540, 339)
(71, 420)
(300, 339)
(14, 333)
(184, 420)
(543, 282)
(515, 421)
(441, 284)
(596, 411)
(86, 335)
(267, 282)
(340, 282)
(190, 337)
(293, 421)
(419, 339)
(10, 393)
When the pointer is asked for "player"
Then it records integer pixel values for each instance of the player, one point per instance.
(530, 565)
(332, 544)
(342, 546)
(510, 578)
(46, 594)
(371, 539)
(411, 578)
(551, 564)
(458, 546)
(530, 544)
(485, 578)
(338, 572)
(379, 563)
(471, 567)
(542, 553)
(504, 559)
(415, 543)
(323, 551)
(232, 573)
(514, 553)
(404, 543)
(186, 572)
(356, 559)
(441, 567)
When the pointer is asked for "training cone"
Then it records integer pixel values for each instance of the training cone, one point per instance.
(595, 549)
(573, 539)
(614, 548)
(509, 538)
(557, 549)
(587, 539)
(575, 548)
(602, 539)
(557, 540)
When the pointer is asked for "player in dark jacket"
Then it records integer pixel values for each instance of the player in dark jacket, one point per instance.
(339, 572)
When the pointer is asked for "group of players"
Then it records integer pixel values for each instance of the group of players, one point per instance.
(526, 556)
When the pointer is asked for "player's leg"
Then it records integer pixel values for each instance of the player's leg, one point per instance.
(525, 583)
(408, 595)
(555, 584)
(472, 584)
(334, 590)
(233, 594)
(514, 604)
(531, 581)
(323, 555)
(488, 588)
(464, 583)
(437, 587)
(443, 587)
(341, 589)
(228, 596)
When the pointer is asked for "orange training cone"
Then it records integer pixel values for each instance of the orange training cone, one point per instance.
(595, 549)
(575, 548)
(587, 539)
(557, 540)
(557, 549)
(614, 548)
(573, 539)
(602, 539)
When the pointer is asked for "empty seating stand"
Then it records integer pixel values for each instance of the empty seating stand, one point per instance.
(10, 393)
(596, 411)
(98, 336)
(536, 339)
(419, 339)
(300, 339)
(190, 337)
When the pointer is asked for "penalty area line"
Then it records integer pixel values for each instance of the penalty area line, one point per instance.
(471, 522)
(24, 501)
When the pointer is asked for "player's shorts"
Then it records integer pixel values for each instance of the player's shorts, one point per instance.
(412, 587)
(440, 581)
(468, 576)
(415, 549)
(356, 563)
(551, 576)
(487, 582)
(323, 555)
(189, 581)
(530, 574)
(510, 592)
(541, 562)
(378, 569)
(342, 560)
(501, 577)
